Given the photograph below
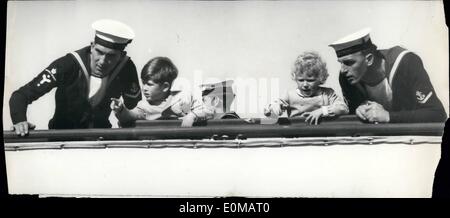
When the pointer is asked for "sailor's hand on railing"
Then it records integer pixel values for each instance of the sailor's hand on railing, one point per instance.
(373, 112)
(361, 111)
(22, 128)
(116, 105)
(313, 117)
(376, 113)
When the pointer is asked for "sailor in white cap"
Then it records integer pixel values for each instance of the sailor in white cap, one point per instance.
(385, 85)
(85, 81)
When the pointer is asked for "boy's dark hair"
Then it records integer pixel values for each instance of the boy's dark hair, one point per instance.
(159, 70)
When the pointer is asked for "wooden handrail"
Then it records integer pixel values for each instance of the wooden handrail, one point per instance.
(349, 119)
(231, 129)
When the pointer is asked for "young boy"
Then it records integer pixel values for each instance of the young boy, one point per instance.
(160, 102)
(309, 99)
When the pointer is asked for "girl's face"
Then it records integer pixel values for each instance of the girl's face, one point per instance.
(307, 84)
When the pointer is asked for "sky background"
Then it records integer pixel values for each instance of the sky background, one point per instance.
(254, 43)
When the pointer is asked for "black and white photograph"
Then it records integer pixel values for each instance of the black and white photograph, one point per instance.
(256, 99)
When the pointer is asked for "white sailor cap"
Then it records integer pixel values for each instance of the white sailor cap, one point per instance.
(112, 34)
(352, 43)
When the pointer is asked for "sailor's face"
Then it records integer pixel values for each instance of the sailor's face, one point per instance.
(154, 92)
(307, 84)
(353, 67)
(104, 59)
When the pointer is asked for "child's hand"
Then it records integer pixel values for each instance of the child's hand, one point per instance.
(188, 120)
(116, 105)
(275, 109)
(313, 116)
(267, 111)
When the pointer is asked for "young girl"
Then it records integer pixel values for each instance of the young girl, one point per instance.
(309, 99)
(160, 101)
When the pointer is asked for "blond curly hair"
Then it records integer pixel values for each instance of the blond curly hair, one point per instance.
(310, 63)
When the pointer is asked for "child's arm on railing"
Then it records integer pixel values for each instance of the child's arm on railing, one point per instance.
(123, 114)
(278, 106)
(337, 105)
(198, 111)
